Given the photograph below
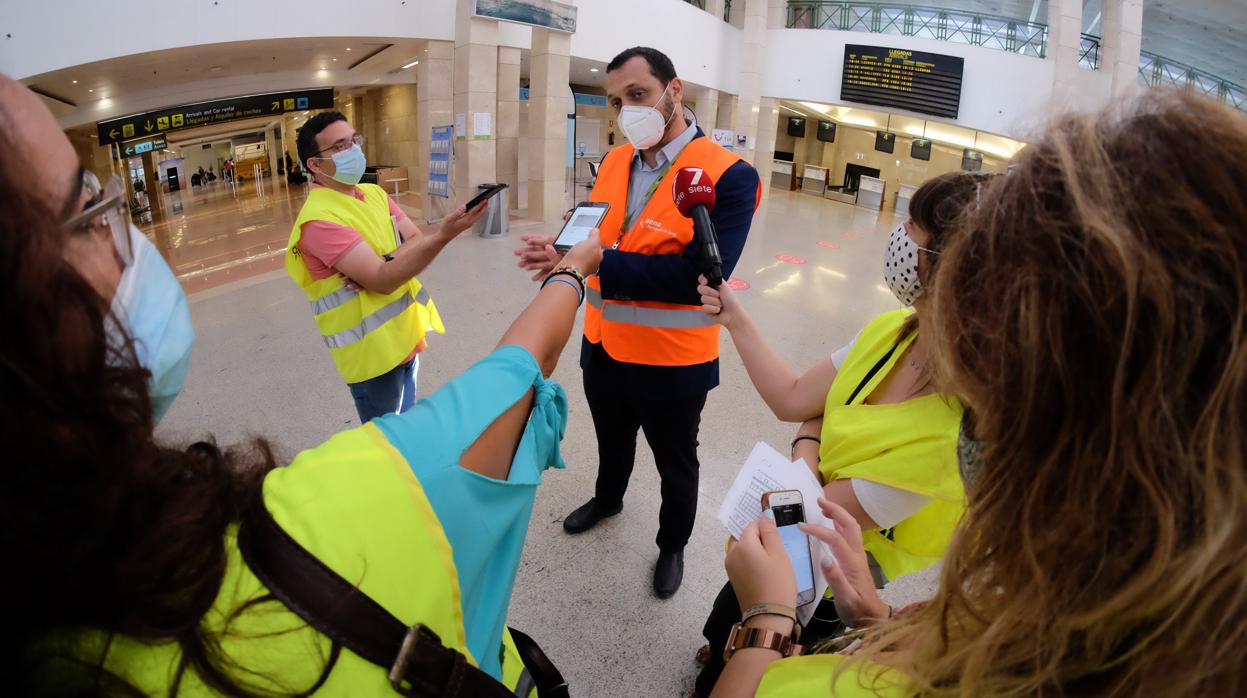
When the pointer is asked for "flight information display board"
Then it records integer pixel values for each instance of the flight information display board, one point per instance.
(928, 83)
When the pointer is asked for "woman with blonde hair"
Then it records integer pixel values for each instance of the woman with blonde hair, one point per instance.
(1091, 313)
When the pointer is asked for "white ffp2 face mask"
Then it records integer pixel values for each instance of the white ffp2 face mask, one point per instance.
(644, 126)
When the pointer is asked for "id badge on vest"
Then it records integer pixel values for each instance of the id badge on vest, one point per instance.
(649, 194)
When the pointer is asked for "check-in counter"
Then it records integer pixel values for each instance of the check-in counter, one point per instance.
(870, 192)
(781, 175)
(903, 195)
(814, 180)
(839, 194)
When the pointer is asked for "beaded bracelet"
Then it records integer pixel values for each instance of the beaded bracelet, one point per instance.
(571, 271)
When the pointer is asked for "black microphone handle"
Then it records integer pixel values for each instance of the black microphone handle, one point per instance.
(712, 261)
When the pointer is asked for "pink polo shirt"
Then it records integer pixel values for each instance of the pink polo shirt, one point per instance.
(323, 244)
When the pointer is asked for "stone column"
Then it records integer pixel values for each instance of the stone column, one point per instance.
(1122, 42)
(727, 111)
(715, 7)
(1064, 45)
(549, 72)
(434, 107)
(706, 107)
(777, 14)
(271, 145)
(508, 124)
(476, 85)
(764, 150)
(751, 76)
(151, 185)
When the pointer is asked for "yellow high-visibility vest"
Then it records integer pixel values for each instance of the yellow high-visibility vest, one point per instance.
(355, 504)
(811, 675)
(910, 445)
(367, 333)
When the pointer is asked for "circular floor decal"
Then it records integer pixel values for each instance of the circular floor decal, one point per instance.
(789, 259)
(829, 245)
(737, 284)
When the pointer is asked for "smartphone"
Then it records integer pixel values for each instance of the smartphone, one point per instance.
(789, 511)
(585, 217)
(476, 201)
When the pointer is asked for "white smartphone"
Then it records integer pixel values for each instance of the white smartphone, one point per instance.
(789, 510)
(585, 217)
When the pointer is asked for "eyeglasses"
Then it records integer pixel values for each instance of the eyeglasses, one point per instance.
(344, 144)
(106, 205)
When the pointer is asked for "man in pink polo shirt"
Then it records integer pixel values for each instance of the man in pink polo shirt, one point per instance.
(329, 149)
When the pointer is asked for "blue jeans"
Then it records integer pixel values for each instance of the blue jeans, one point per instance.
(393, 391)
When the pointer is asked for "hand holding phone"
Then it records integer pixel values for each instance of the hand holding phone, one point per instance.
(584, 218)
(487, 194)
(788, 509)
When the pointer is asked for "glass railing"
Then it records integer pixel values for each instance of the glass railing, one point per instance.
(1089, 52)
(975, 29)
(1157, 70)
(727, 8)
(1000, 33)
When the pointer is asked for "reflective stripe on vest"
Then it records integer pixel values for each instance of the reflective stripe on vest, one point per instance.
(369, 324)
(663, 318)
(330, 301)
(525, 685)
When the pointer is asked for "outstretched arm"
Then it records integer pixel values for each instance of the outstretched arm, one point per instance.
(542, 328)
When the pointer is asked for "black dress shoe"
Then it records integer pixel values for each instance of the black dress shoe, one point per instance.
(668, 574)
(588, 516)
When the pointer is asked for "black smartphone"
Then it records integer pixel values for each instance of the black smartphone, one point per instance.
(476, 201)
(585, 217)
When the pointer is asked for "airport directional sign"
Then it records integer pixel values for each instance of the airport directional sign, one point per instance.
(143, 146)
(213, 112)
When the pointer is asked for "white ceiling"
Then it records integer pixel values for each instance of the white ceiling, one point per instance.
(95, 91)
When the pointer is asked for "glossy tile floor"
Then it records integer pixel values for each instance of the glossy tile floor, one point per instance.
(221, 233)
(813, 268)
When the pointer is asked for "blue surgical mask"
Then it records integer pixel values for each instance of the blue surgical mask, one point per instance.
(152, 307)
(349, 166)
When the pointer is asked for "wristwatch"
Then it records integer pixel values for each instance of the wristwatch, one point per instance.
(743, 637)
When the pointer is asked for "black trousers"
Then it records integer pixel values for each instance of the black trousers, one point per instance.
(671, 430)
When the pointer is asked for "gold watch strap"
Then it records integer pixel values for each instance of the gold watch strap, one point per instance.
(743, 637)
(770, 609)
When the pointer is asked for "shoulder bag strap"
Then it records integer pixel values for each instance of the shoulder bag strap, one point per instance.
(418, 663)
(871, 374)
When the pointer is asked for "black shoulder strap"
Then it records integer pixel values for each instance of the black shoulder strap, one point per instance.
(417, 661)
(871, 374)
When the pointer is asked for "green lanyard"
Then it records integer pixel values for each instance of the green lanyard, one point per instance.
(649, 193)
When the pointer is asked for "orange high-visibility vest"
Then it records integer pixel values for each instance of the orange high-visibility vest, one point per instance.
(650, 332)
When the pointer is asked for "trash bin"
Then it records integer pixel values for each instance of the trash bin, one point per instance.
(494, 223)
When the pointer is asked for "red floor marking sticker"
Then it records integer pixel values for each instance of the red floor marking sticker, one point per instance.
(853, 236)
(790, 259)
(829, 245)
(737, 284)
